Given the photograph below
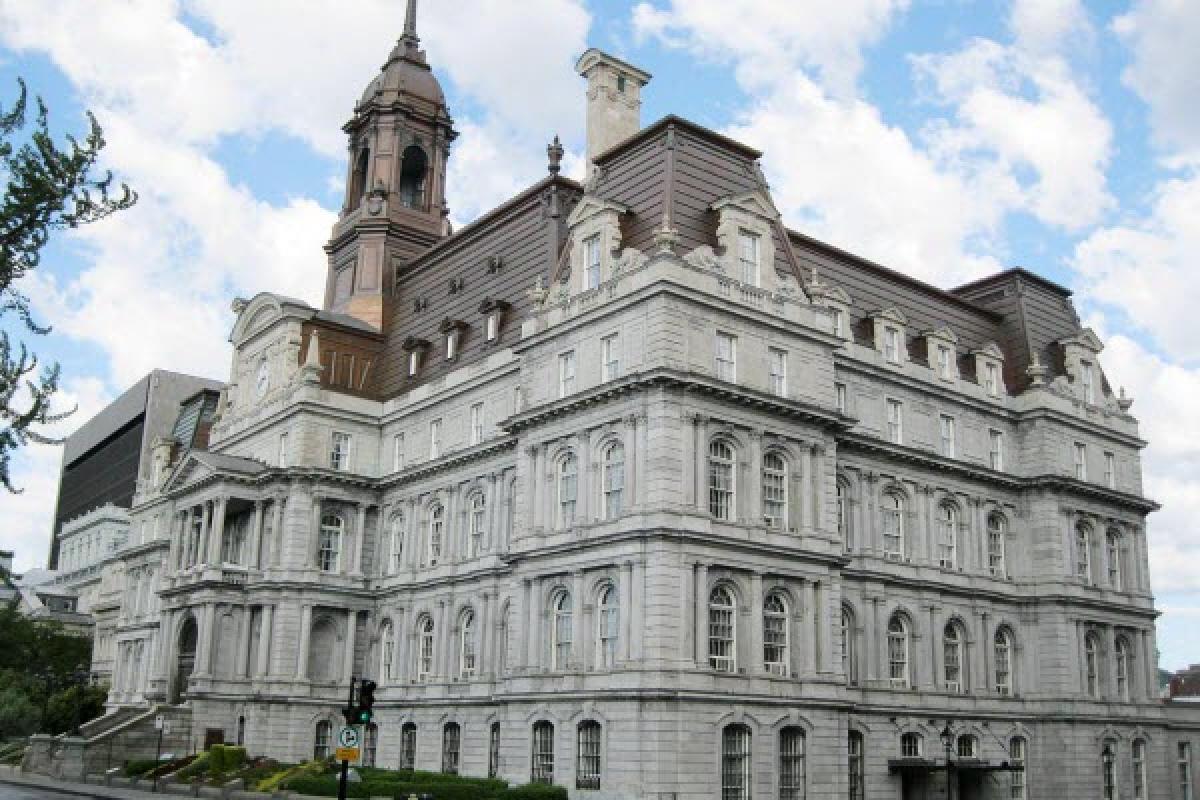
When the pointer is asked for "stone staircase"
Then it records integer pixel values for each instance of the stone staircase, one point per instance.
(128, 734)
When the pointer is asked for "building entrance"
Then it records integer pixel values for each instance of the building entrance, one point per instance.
(187, 661)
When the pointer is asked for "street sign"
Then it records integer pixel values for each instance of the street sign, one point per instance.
(159, 719)
(348, 737)
(346, 754)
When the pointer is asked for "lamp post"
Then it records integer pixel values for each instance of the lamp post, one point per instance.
(947, 736)
(80, 678)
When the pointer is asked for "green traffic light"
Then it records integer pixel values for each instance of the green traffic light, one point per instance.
(364, 716)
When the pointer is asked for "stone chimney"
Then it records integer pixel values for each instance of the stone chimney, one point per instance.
(614, 100)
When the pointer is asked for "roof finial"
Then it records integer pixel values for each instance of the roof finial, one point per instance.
(410, 23)
(554, 152)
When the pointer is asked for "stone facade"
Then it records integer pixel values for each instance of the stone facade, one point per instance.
(705, 519)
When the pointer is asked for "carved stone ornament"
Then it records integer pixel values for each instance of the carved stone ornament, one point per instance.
(630, 258)
(375, 198)
(239, 304)
(1124, 402)
(539, 292)
(704, 257)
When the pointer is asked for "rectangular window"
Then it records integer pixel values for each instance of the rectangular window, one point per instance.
(451, 742)
(748, 257)
(778, 372)
(946, 424)
(726, 358)
(587, 753)
(991, 379)
(493, 326)
(943, 362)
(855, 777)
(1081, 461)
(1016, 757)
(543, 753)
(791, 764)
(1185, 770)
(435, 438)
(414, 362)
(1089, 384)
(408, 746)
(895, 422)
(283, 449)
(891, 345)
(566, 373)
(591, 262)
(494, 750)
(1110, 470)
(1139, 770)
(610, 357)
(397, 452)
(839, 323)
(339, 451)
(996, 449)
(477, 423)
(840, 390)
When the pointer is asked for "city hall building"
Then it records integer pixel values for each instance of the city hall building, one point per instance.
(627, 487)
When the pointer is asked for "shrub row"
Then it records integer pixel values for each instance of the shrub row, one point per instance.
(139, 767)
(450, 787)
(225, 758)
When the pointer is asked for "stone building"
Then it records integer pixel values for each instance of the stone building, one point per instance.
(627, 487)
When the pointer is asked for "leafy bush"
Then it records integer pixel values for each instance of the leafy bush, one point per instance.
(18, 715)
(140, 767)
(449, 787)
(276, 780)
(225, 758)
(199, 765)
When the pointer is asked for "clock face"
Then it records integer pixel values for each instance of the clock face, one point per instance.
(264, 379)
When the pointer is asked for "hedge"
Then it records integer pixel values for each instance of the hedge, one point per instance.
(141, 767)
(225, 758)
(449, 787)
(533, 791)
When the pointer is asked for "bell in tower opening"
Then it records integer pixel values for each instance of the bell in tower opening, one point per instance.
(395, 208)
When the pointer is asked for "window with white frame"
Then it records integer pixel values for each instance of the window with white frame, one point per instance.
(397, 452)
(608, 619)
(339, 451)
(425, 649)
(774, 488)
(943, 362)
(452, 338)
(1002, 656)
(437, 529)
(591, 262)
(892, 507)
(466, 645)
(1112, 541)
(321, 740)
(991, 378)
(329, 544)
(952, 658)
(476, 423)
(721, 650)
(1123, 661)
(492, 326)
(1110, 470)
(477, 522)
(1081, 461)
(997, 530)
(1184, 761)
(613, 483)
(451, 744)
(408, 745)
(967, 746)
(1108, 769)
(560, 643)
(775, 634)
(566, 373)
(726, 357)
(839, 323)
(587, 755)
(1018, 755)
(610, 357)
(996, 449)
(720, 479)
(855, 768)
(1083, 553)
(777, 368)
(493, 750)
(791, 763)
(735, 762)
(387, 651)
(849, 662)
(891, 344)
(414, 362)
(840, 397)
(1140, 786)
(898, 649)
(748, 257)
(895, 422)
(1091, 664)
(946, 426)
(910, 745)
(397, 541)
(1088, 376)
(568, 481)
(284, 455)
(947, 536)
(542, 768)
(435, 438)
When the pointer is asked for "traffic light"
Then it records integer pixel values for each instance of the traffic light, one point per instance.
(351, 715)
(366, 701)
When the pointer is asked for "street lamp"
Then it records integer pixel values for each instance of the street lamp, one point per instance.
(79, 678)
(947, 736)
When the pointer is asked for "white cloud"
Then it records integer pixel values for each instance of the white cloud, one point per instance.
(1165, 69)
(1044, 26)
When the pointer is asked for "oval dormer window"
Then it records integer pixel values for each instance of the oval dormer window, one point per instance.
(412, 177)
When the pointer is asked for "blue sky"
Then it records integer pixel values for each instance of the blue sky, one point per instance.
(945, 138)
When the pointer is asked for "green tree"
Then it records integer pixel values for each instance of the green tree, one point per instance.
(48, 188)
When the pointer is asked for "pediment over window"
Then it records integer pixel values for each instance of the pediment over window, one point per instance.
(1086, 338)
(590, 205)
(991, 350)
(756, 202)
(263, 311)
(199, 465)
(891, 314)
(943, 333)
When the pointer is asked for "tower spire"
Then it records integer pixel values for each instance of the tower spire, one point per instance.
(409, 36)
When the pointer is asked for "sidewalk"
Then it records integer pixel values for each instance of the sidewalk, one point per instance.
(16, 777)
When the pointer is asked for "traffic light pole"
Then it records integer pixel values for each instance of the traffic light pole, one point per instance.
(346, 764)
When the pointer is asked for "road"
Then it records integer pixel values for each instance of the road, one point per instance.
(10, 792)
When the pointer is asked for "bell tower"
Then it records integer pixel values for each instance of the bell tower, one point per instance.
(395, 203)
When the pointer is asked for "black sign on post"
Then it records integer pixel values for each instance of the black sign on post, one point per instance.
(348, 712)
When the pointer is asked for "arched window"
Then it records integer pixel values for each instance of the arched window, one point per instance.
(358, 179)
(466, 645)
(898, 636)
(568, 476)
(542, 770)
(614, 480)
(947, 536)
(408, 745)
(721, 631)
(855, 773)
(560, 642)
(607, 622)
(437, 529)
(321, 739)
(1123, 659)
(1083, 553)
(791, 763)
(493, 750)
(968, 746)
(1140, 787)
(1091, 664)
(735, 763)
(1112, 541)
(587, 755)
(775, 634)
(1108, 767)
(893, 526)
(849, 659)
(387, 651)
(1018, 755)
(910, 745)
(413, 167)
(774, 488)
(451, 744)
(1003, 657)
(953, 646)
(478, 523)
(997, 528)
(720, 479)
(425, 649)
(329, 547)
(397, 541)
(370, 744)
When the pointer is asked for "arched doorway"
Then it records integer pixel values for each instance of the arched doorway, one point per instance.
(187, 660)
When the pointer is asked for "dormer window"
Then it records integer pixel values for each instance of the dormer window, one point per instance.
(493, 311)
(839, 323)
(943, 362)
(591, 262)
(748, 253)
(991, 379)
(414, 363)
(891, 345)
(1088, 377)
(621, 84)
(452, 329)
(416, 349)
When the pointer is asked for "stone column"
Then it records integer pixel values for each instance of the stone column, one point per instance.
(241, 661)
(632, 472)
(535, 652)
(754, 662)
(808, 661)
(818, 479)
(523, 630)
(302, 650)
(584, 486)
(543, 490)
(532, 488)
(348, 655)
(875, 630)
(256, 530)
(491, 521)
(266, 632)
(578, 630)
(642, 466)
(400, 665)
(483, 656)
(442, 661)
(205, 525)
(166, 628)
(701, 462)
(808, 494)
(277, 534)
(700, 615)
(937, 654)
(204, 641)
(412, 536)
(173, 539)
(1149, 666)
(360, 542)
(637, 610)
(216, 539)
(310, 552)
(753, 504)
(824, 648)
